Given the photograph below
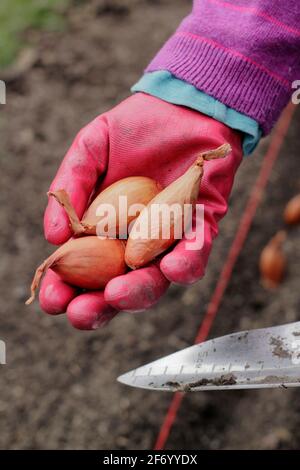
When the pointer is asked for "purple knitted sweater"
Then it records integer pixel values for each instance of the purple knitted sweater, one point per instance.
(244, 53)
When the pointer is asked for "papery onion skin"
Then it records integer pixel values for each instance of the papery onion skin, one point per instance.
(89, 263)
(136, 189)
(272, 263)
(184, 190)
(291, 213)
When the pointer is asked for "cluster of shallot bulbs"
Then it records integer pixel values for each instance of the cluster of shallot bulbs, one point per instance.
(91, 259)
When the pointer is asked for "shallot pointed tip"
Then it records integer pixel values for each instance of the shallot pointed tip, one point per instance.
(224, 150)
(30, 300)
(279, 238)
(37, 278)
(220, 152)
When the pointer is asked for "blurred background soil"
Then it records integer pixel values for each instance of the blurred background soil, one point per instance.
(59, 389)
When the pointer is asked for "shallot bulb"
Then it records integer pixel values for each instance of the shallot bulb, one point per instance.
(140, 250)
(291, 213)
(88, 262)
(272, 263)
(136, 190)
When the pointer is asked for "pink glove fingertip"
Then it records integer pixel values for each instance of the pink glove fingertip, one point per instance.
(56, 224)
(137, 290)
(55, 295)
(90, 311)
(181, 268)
(184, 265)
(78, 174)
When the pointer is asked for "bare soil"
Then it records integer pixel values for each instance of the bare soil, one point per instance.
(59, 389)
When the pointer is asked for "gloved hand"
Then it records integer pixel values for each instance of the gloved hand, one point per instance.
(141, 136)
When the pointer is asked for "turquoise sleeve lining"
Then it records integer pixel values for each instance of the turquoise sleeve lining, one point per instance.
(164, 85)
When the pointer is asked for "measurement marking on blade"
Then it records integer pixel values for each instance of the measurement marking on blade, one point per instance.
(149, 371)
(165, 371)
(229, 367)
(181, 369)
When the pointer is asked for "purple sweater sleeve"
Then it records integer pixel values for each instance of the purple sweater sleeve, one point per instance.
(244, 53)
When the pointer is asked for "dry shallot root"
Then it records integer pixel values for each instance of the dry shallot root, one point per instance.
(184, 190)
(88, 262)
(136, 189)
(291, 213)
(272, 263)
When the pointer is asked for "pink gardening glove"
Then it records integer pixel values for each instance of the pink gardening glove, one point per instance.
(143, 136)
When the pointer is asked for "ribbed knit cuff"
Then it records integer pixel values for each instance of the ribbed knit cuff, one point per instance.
(236, 82)
(165, 86)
